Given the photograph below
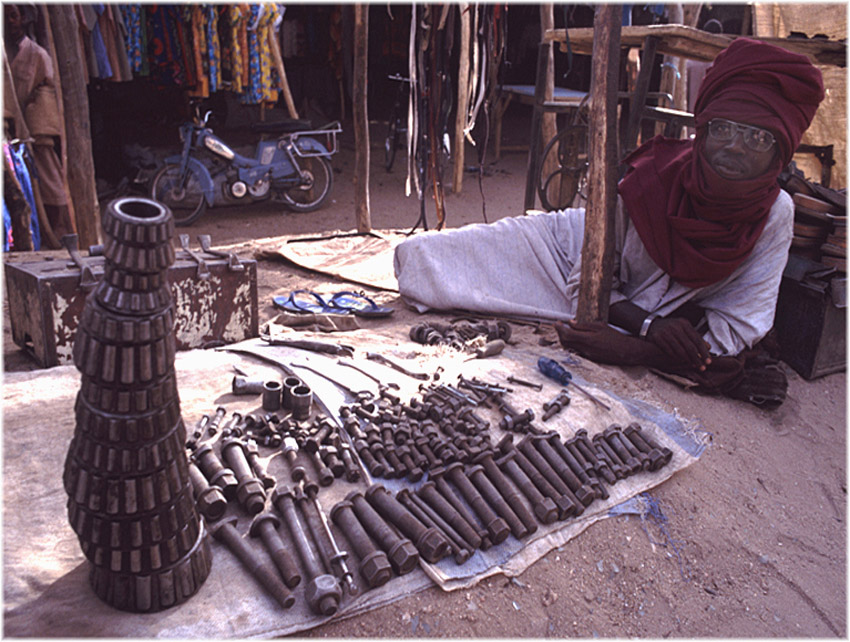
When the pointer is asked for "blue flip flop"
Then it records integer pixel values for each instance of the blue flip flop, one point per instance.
(359, 304)
(301, 301)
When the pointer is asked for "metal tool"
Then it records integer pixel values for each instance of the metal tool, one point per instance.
(233, 262)
(312, 346)
(203, 270)
(357, 394)
(556, 371)
(347, 364)
(375, 356)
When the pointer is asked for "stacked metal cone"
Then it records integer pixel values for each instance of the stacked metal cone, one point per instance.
(126, 473)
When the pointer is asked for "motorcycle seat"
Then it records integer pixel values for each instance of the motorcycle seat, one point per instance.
(285, 126)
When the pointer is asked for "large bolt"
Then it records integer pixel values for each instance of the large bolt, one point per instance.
(544, 507)
(589, 452)
(464, 549)
(428, 493)
(414, 473)
(215, 421)
(330, 455)
(658, 457)
(497, 528)
(250, 491)
(374, 565)
(584, 493)
(556, 405)
(512, 497)
(445, 490)
(526, 447)
(323, 593)
(210, 500)
(352, 470)
(404, 496)
(567, 506)
(215, 471)
(401, 552)
(257, 466)
(432, 546)
(611, 435)
(376, 468)
(264, 526)
(495, 500)
(635, 452)
(324, 474)
(297, 472)
(604, 451)
(225, 531)
(583, 469)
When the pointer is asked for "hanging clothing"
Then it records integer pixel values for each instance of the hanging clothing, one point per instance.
(199, 45)
(213, 46)
(133, 16)
(238, 34)
(16, 158)
(165, 49)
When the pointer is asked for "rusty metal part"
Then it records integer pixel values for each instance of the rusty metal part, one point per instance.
(210, 500)
(513, 419)
(506, 490)
(556, 405)
(87, 279)
(442, 487)
(403, 555)
(374, 565)
(302, 402)
(330, 455)
(644, 442)
(271, 395)
(323, 473)
(587, 449)
(495, 500)
(432, 546)
(497, 528)
(528, 384)
(265, 525)
(289, 384)
(308, 344)
(356, 394)
(382, 385)
(611, 436)
(605, 452)
(466, 549)
(203, 270)
(583, 492)
(297, 472)
(250, 491)
(233, 262)
(244, 386)
(583, 469)
(544, 507)
(635, 452)
(322, 534)
(215, 471)
(567, 506)
(323, 592)
(225, 531)
(257, 466)
(527, 448)
(374, 356)
(404, 496)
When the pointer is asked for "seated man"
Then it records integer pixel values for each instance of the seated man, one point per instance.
(702, 235)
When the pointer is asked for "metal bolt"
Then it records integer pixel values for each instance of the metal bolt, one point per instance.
(429, 494)
(401, 552)
(210, 500)
(265, 525)
(215, 471)
(496, 527)
(374, 565)
(544, 507)
(512, 497)
(250, 491)
(526, 447)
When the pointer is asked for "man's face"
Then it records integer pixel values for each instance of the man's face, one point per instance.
(13, 28)
(733, 159)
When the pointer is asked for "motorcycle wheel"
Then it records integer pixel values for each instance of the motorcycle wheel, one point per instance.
(312, 195)
(186, 202)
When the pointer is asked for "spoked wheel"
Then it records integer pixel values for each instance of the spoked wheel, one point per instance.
(185, 198)
(312, 194)
(391, 144)
(559, 182)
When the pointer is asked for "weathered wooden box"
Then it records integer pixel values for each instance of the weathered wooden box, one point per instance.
(46, 300)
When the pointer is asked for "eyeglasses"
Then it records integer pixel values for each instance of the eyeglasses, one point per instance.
(758, 140)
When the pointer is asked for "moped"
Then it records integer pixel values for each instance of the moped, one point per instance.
(294, 169)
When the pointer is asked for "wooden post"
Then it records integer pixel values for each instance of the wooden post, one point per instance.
(281, 72)
(549, 123)
(462, 97)
(75, 102)
(361, 119)
(597, 258)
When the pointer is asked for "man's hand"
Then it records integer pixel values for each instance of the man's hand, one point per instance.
(678, 339)
(600, 342)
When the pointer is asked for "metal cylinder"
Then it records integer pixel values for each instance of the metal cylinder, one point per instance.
(511, 495)
(244, 386)
(289, 384)
(401, 552)
(265, 526)
(302, 402)
(496, 527)
(271, 395)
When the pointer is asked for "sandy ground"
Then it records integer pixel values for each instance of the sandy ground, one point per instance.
(748, 542)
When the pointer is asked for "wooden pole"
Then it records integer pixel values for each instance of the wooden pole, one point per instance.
(549, 125)
(281, 72)
(75, 102)
(462, 97)
(597, 254)
(361, 119)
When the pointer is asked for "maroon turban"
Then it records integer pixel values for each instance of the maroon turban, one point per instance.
(697, 226)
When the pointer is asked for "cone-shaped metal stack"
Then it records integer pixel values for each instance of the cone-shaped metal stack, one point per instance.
(126, 473)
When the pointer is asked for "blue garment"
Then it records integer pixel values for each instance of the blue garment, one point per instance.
(7, 228)
(19, 156)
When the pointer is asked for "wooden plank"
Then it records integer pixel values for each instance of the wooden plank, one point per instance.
(695, 44)
(597, 254)
(360, 115)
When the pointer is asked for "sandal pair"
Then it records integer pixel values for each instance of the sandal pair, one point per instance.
(302, 301)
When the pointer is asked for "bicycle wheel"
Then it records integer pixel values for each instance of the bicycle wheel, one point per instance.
(391, 144)
(557, 188)
(316, 188)
(185, 199)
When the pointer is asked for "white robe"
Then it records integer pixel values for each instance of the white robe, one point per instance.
(530, 267)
